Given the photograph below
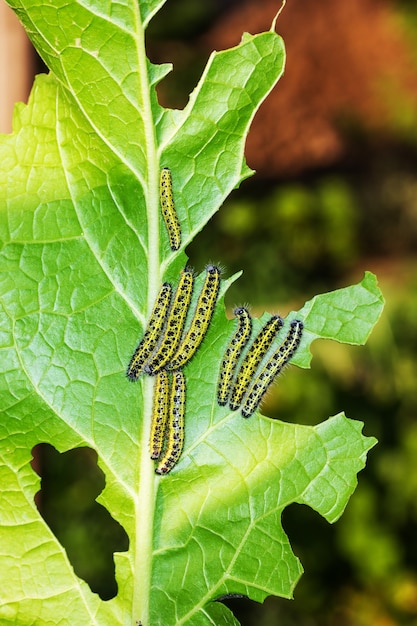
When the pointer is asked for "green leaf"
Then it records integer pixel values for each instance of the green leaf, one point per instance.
(83, 253)
(347, 315)
(222, 527)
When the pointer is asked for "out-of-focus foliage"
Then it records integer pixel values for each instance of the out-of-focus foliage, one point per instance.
(293, 237)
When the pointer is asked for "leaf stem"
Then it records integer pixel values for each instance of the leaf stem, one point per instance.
(144, 516)
(145, 502)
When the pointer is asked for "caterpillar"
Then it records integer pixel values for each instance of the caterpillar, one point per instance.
(152, 334)
(168, 209)
(255, 354)
(232, 353)
(159, 414)
(201, 320)
(175, 426)
(272, 368)
(174, 325)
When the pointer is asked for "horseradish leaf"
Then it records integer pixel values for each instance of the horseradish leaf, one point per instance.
(83, 253)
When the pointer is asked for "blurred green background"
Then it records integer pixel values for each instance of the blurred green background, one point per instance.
(335, 193)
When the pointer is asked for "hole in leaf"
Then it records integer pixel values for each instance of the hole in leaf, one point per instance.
(70, 484)
(243, 609)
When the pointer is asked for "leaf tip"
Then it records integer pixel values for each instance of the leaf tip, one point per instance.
(274, 21)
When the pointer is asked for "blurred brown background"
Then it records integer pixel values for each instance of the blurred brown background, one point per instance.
(335, 149)
(16, 65)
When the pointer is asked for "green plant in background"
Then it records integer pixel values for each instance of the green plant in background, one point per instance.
(292, 238)
(83, 254)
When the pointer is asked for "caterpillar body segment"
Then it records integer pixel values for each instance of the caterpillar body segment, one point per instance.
(232, 353)
(253, 357)
(200, 322)
(272, 368)
(159, 414)
(169, 213)
(175, 425)
(153, 333)
(174, 325)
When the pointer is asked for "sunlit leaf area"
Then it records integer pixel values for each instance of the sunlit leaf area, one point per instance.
(306, 513)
